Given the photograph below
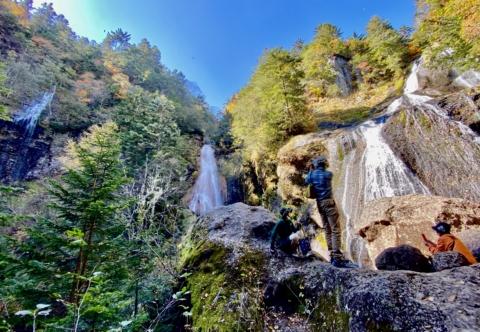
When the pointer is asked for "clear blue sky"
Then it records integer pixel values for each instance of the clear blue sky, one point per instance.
(216, 43)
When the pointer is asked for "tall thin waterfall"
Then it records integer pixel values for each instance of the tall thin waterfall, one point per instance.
(29, 117)
(207, 193)
(20, 153)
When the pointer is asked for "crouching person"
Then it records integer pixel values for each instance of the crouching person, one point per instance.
(448, 242)
(287, 233)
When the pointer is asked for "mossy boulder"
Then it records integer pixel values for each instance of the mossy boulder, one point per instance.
(236, 284)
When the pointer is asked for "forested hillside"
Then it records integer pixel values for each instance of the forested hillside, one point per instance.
(335, 81)
(95, 247)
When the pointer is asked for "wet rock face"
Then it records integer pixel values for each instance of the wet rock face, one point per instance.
(234, 190)
(443, 152)
(464, 107)
(403, 257)
(22, 158)
(448, 260)
(233, 276)
(392, 221)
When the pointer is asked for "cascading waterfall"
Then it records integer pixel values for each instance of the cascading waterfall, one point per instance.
(29, 117)
(381, 173)
(207, 193)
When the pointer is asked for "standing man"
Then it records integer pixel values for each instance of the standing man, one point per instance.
(321, 180)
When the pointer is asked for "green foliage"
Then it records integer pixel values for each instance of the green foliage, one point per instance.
(320, 74)
(3, 110)
(386, 55)
(271, 108)
(147, 127)
(448, 33)
(117, 40)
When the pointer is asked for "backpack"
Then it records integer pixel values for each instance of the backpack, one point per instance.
(310, 192)
(305, 245)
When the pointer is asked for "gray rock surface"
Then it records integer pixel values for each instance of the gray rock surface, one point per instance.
(448, 260)
(403, 257)
(302, 295)
(343, 76)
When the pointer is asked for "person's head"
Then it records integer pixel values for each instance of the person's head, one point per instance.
(441, 228)
(285, 211)
(319, 162)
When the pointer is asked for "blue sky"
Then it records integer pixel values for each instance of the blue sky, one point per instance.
(216, 43)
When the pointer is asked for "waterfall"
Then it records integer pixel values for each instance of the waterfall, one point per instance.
(373, 171)
(207, 193)
(19, 154)
(29, 117)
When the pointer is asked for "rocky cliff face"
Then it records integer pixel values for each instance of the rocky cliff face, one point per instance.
(236, 284)
(25, 157)
(343, 77)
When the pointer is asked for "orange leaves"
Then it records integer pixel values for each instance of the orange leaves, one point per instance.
(41, 42)
(89, 89)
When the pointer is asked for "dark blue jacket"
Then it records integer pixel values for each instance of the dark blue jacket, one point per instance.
(321, 180)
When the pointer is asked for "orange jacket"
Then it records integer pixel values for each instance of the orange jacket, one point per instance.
(448, 242)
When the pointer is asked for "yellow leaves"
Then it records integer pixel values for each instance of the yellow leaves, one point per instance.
(83, 95)
(123, 83)
(17, 10)
(111, 68)
(93, 141)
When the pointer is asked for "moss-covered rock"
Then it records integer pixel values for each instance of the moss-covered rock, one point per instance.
(236, 284)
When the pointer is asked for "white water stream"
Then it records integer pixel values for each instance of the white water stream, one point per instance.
(29, 117)
(207, 193)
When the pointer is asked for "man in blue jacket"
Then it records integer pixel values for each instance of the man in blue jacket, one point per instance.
(321, 180)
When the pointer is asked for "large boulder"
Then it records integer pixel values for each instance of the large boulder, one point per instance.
(403, 257)
(392, 221)
(471, 239)
(448, 260)
(236, 284)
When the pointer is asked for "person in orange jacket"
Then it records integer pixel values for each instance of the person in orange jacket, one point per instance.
(448, 242)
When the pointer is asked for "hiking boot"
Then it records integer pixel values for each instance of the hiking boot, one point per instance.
(342, 263)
